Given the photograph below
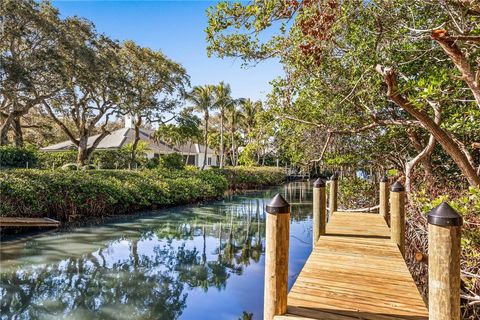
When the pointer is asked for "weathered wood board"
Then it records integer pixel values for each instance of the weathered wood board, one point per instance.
(28, 222)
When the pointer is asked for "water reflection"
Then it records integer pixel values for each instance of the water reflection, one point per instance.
(202, 262)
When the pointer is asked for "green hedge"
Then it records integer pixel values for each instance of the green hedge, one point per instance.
(60, 194)
(13, 157)
(251, 177)
(104, 159)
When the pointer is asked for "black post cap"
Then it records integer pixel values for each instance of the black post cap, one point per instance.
(278, 205)
(384, 179)
(334, 176)
(319, 183)
(397, 187)
(444, 215)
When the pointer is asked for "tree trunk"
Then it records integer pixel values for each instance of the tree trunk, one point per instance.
(9, 121)
(221, 137)
(85, 152)
(134, 253)
(82, 154)
(205, 141)
(17, 129)
(410, 165)
(136, 138)
(95, 143)
(426, 160)
(234, 162)
(443, 138)
(4, 127)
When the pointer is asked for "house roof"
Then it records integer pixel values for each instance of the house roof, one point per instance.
(121, 137)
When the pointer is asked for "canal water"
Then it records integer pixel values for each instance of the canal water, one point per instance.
(186, 262)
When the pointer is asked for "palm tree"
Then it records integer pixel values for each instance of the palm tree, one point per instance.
(250, 109)
(235, 117)
(222, 102)
(202, 98)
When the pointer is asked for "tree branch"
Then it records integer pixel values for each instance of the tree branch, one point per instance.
(458, 58)
(375, 124)
(61, 124)
(445, 139)
(327, 142)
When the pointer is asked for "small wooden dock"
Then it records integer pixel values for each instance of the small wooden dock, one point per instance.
(28, 222)
(356, 270)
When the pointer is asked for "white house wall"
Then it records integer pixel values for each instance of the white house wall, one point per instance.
(201, 156)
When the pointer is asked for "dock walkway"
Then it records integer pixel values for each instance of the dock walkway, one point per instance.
(357, 269)
(28, 222)
(355, 272)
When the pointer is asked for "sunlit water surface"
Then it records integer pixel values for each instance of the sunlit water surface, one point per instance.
(187, 262)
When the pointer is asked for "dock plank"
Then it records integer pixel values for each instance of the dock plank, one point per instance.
(355, 272)
(28, 222)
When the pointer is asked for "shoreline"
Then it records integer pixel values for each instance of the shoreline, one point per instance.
(92, 221)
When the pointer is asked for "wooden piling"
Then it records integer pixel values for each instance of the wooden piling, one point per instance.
(333, 204)
(444, 235)
(397, 215)
(276, 257)
(383, 209)
(319, 210)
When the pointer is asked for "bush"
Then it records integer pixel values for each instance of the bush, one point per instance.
(111, 159)
(248, 155)
(104, 159)
(51, 160)
(69, 166)
(62, 193)
(357, 193)
(172, 161)
(59, 194)
(467, 204)
(13, 157)
(250, 177)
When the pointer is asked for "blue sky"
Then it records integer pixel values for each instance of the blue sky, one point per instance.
(177, 29)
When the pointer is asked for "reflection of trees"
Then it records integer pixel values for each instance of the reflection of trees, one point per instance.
(233, 250)
(86, 284)
(195, 248)
(239, 231)
(246, 316)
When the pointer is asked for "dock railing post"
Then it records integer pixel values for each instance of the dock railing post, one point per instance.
(383, 210)
(444, 235)
(397, 215)
(319, 210)
(333, 204)
(276, 257)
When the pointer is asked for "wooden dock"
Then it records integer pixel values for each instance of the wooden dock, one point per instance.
(28, 222)
(355, 272)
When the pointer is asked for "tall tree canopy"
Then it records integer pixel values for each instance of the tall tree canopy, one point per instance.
(156, 85)
(78, 77)
(92, 84)
(366, 69)
(29, 63)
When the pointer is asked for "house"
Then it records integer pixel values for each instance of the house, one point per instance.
(193, 153)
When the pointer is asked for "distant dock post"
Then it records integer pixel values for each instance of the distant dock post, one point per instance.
(319, 210)
(276, 257)
(333, 201)
(444, 235)
(383, 210)
(397, 215)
